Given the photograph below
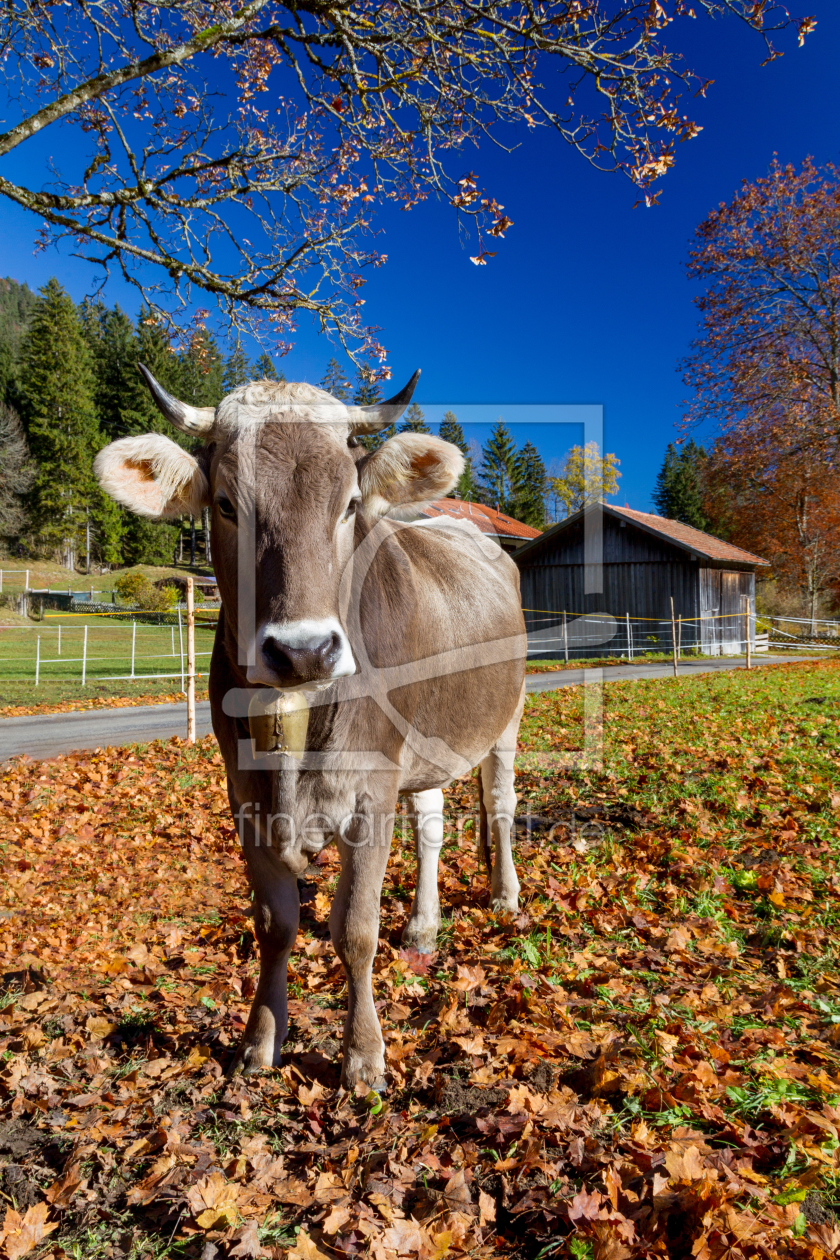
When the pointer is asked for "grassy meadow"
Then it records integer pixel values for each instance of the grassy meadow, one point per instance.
(644, 1062)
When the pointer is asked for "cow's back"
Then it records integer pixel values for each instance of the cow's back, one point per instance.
(442, 625)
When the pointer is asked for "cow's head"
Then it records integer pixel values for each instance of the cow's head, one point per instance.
(291, 492)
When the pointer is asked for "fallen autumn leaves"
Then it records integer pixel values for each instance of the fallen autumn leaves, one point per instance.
(645, 1063)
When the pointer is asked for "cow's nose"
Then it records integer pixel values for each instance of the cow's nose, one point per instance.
(308, 661)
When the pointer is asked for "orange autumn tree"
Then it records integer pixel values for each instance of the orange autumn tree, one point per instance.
(765, 369)
(766, 361)
(781, 502)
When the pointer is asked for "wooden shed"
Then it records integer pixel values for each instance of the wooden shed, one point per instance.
(635, 562)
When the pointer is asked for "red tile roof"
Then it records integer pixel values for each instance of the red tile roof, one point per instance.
(487, 519)
(687, 536)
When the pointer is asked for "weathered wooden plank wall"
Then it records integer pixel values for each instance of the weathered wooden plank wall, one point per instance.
(640, 575)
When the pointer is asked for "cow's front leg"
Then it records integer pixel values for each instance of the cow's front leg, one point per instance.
(276, 914)
(421, 930)
(364, 845)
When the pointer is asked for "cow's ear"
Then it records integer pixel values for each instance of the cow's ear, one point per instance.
(407, 472)
(152, 476)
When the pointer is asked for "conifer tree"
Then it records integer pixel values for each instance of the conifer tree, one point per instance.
(145, 541)
(529, 487)
(414, 421)
(264, 369)
(366, 393)
(679, 488)
(113, 345)
(60, 415)
(237, 369)
(17, 305)
(498, 477)
(202, 370)
(469, 487)
(335, 381)
(451, 431)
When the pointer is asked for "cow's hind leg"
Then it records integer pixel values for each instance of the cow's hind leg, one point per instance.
(420, 932)
(498, 798)
(276, 913)
(354, 927)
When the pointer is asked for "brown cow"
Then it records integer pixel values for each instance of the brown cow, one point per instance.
(358, 658)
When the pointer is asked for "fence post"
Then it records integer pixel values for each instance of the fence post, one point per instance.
(1, 581)
(133, 642)
(59, 638)
(674, 638)
(679, 637)
(181, 645)
(37, 659)
(629, 638)
(190, 662)
(172, 628)
(84, 657)
(745, 599)
(565, 640)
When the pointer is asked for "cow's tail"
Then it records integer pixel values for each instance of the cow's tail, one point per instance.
(485, 843)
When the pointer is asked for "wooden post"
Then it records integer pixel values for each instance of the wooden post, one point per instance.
(746, 600)
(565, 640)
(679, 638)
(37, 659)
(59, 638)
(674, 637)
(26, 582)
(1, 581)
(133, 644)
(84, 657)
(190, 662)
(629, 639)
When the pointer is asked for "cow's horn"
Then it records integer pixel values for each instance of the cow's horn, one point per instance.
(379, 415)
(195, 420)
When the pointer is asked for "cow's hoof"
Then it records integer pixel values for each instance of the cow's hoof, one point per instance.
(420, 936)
(250, 1059)
(367, 1068)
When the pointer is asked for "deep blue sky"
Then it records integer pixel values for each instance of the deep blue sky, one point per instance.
(587, 299)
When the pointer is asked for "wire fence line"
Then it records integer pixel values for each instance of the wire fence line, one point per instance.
(111, 649)
(554, 633)
(101, 653)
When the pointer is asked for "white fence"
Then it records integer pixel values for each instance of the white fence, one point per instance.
(104, 652)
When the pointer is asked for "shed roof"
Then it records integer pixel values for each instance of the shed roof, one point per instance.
(487, 519)
(695, 541)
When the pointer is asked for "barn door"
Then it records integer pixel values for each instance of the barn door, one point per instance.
(710, 637)
(731, 620)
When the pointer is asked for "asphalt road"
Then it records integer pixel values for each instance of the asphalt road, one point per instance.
(56, 733)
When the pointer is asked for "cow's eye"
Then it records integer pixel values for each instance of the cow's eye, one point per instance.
(226, 508)
(350, 509)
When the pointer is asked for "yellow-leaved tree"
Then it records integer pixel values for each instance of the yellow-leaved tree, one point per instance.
(586, 476)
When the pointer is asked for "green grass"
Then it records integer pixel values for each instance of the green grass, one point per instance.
(108, 653)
